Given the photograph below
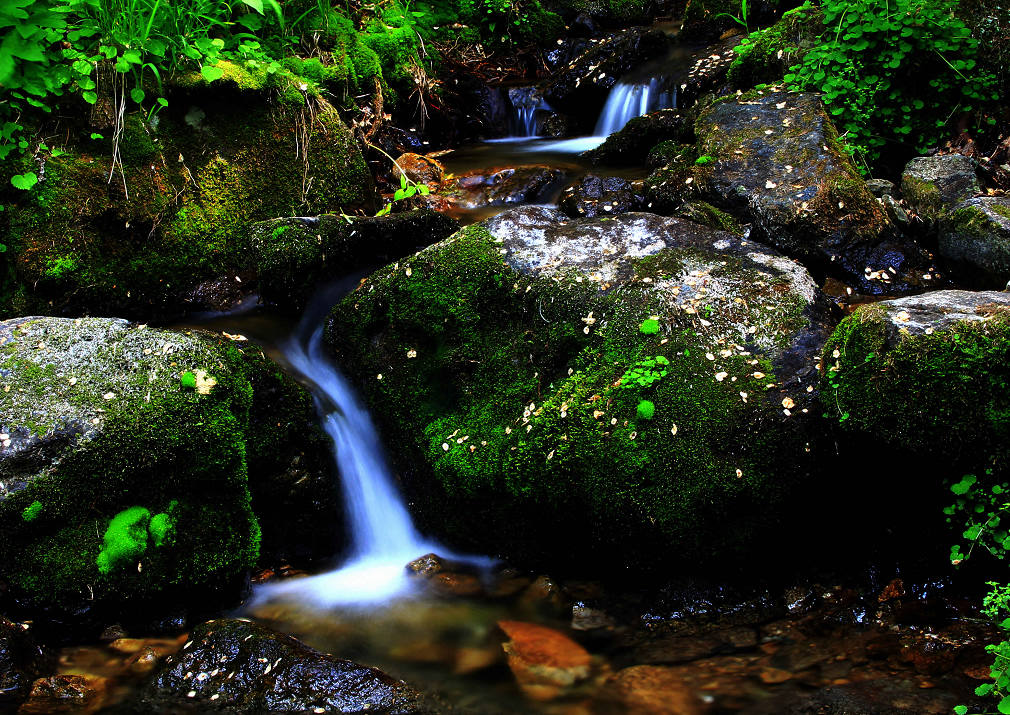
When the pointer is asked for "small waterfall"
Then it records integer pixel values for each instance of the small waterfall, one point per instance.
(383, 537)
(628, 100)
(526, 103)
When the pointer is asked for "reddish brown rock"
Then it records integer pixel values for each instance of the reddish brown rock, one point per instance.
(65, 694)
(420, 169)
(651, 690)
(544, 661)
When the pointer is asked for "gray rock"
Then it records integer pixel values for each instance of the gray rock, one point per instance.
(939, 310)
(778, 164)
(595, 195)
(895, 211)
(235, 666)
(933, 185)
(880, 187)
(975, 237)
(632, 144)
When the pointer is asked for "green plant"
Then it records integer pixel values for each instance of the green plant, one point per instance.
(982, 509)
(901, 71)
(188, 380)
(645, 372)
(704, 159)
(646, 410)
(408, 187)
(740, 19)
(126, 537)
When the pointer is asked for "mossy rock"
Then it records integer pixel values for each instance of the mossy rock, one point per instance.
(766, 55)
(632, 144)
(778, 164)
(128, 456)
(293, 255)
(191, 184)
(927, 373)
(708, 215)
(934, 185)
(509, 364)
(975, 237)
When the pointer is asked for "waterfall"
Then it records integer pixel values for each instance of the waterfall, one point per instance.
(383, 537)
(628, 100)
(526, 102)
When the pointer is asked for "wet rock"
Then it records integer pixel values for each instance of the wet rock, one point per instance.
(933, 185)
(420, 169)
(882, 697)
(650, 690)
(580, 89)
(556, 125)
(544, 662)
(707, 72)
(240, 667)
(222, 293)
(78, 694)
(708, 215)
(926, 373)
(489, 111)
(595, 195)
(975, 237)
(497, 316)
(498, 187)
(776, 163)
(632, 144)
(21, 661)
(395, 141)
(294, 254)
(895, 211)
(585, 618)
(881, 187)
(161, 415)
(427, 565)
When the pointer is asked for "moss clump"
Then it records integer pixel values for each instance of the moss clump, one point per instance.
(649, 326)
(32, 511)
(708, 215)
(506, 392)
(945, 393)
(765, 56)
(188, 380)
(646, 410)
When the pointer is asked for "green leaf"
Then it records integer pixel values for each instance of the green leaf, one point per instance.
(1004, 705)
(24, 181)
(400, 194)
(96, 135)
(960, 709)
(984, 689)
(89, 97)
(137, 95)
(403, 180)
(211, 73)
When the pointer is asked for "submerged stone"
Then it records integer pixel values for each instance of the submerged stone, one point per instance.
(235, 666)
(131, 459)
(508, 363)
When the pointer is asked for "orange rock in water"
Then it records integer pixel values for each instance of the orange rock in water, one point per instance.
(651, 690)
(544, 661)
(78, 694)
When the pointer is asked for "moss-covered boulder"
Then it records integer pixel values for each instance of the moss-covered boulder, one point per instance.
(773, 159)
(628, 387)
(632, 144)
(975, 237)
(293, 255)
(929, 373)
(934, 185)
(132, 460)
(598, 195)
(135, 238)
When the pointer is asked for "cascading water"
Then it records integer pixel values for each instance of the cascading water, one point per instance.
(628, 100)
(383, 537)
(526, 103)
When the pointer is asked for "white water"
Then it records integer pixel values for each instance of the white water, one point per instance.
(628, 100)
(383, 537)
(526, 102)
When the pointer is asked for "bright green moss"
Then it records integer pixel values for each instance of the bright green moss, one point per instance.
(765, 55)
(649, 326)
(160, 527)
(646, 410)
(125, 539)
(188, 380)
(32, 511)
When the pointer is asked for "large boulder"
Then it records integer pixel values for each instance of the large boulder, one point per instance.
(635, 385)
(132, 459)
(774, 159)
(934, 185)
(580, 89)
(293, 255)
(927, 373)
(975, 237)
(134, 239)
(235, 666)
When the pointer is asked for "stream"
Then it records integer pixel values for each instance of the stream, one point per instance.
(438, 628)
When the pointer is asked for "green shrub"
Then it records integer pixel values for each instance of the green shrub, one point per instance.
(902, 71)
